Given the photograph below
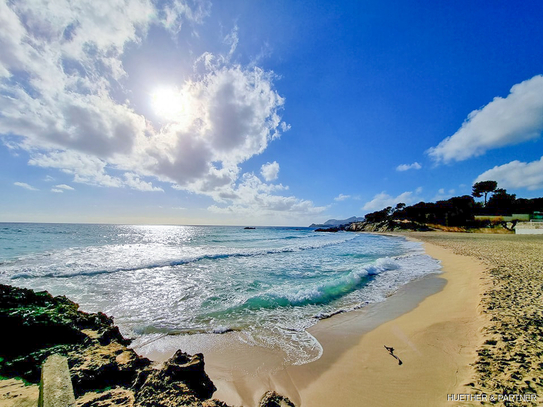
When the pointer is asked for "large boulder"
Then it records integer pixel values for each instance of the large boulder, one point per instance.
(181, 379)
(272, 399)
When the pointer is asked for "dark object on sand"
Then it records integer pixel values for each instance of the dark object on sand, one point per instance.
(391, 351)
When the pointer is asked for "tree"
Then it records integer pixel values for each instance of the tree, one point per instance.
(483, 187)
(379, 216)
(501, 202)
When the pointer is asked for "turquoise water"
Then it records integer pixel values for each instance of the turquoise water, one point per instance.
(270, 283)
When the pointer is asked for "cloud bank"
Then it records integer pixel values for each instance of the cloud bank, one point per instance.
(516, 174)
(504, 121)
(383, 200)
(63, 100)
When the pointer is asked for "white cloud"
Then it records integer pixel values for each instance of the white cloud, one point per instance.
(62, 103)
(133, 181)
(516, 174)
(65, 187)
(341, 197)
(56, 190)
(85, 168)
(270, 171)
(406, 167)
(383, 200)
(25, 186)
(504, 121)
(175, 13)
(254, 199)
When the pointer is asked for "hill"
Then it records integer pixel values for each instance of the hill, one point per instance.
(337, 222)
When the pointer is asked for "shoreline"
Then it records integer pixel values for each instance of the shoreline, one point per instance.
(433, 324)
(492, 294)
(436, 341)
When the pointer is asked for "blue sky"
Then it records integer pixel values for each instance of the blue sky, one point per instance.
(263, 112)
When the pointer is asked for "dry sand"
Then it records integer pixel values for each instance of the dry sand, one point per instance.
(510, 360)
(14, 393)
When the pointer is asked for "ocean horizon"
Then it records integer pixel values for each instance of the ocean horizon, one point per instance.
(269, 283)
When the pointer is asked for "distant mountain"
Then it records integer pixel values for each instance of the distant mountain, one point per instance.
(336, 222)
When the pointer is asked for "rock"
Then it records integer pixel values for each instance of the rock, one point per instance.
(182, 379)
(114, 397)
(37, 320)
(14, 392)
(100, 367)
(104, 371)
(272, 399)
(40, 325)
(190, 370)
(29, 366)
(332, 230)
(390, 225)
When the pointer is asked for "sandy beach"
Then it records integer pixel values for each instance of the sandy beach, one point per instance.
(436, 341)
(435, 325)
(510, 359)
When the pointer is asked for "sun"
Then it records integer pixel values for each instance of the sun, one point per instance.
(168, 103)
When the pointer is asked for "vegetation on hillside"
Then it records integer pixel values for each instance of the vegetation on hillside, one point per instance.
(461, 210)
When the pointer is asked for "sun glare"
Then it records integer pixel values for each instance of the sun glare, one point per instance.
(168, 103)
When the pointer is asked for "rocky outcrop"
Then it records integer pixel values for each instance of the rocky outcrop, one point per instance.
(36, 320)
(272, 399)
(104, 370)
(384, 226)
(387, 226)
(36, 325)
(331, 230)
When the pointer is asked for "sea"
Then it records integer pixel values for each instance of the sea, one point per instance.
(269, 283)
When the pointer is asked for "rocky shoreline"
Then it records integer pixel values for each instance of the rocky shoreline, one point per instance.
(389, 225)
(104, 370)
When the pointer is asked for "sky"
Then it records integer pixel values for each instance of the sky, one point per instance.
(263, 112)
